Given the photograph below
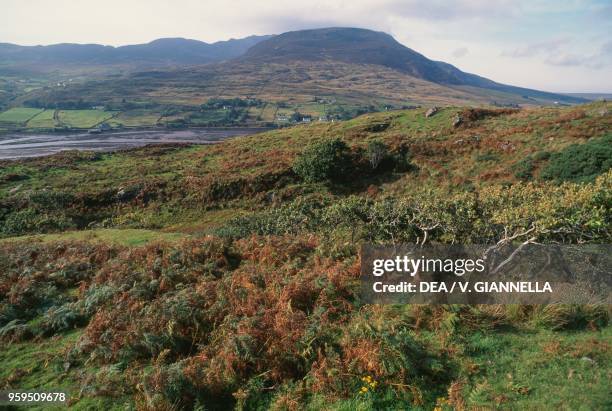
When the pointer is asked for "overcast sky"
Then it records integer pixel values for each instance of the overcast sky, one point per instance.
(553, 45)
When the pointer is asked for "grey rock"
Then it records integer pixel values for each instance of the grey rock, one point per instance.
(587, 359)
(431, 112)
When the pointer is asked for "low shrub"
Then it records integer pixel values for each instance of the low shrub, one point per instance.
(523, 169)
(322, 162)
(31, 220)
(51, 200)
(581, 162)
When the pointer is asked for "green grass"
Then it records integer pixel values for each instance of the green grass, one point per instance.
(247, 156)
(18, 115)
(40, 366)
(540, 370)
(127, 237)
(136, 118)
(208, 116)
(83, 118)
(44, 119)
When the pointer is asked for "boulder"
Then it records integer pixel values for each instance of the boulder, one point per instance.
(431, 112)
(457, 121)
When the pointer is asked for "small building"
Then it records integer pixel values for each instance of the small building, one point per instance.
(306, 119)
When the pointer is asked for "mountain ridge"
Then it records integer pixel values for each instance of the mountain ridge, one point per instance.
(174, 49)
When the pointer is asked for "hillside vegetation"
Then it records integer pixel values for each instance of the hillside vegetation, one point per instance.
(249, 298)
(332, 73)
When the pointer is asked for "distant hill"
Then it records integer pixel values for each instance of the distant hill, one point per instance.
(361, 46)
(592, 96)
(160, 51)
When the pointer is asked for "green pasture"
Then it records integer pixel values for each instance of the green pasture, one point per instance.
(83, 118)
(136, 118)
(18, 114)
(44, 119)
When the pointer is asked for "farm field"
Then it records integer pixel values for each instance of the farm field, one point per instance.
(136, 118)
(45, 119)
(18, 115)
(32, 119)
(83, 118)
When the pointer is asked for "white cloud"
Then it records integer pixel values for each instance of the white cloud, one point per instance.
(460, 52)
(538, 48)
(558, 52)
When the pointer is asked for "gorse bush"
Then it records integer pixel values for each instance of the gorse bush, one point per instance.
(300, 215)
(581, 162)
(325, 161)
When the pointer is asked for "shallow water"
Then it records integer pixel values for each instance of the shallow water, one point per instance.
(21, 145)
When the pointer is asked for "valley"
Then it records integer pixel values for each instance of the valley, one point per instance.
(295, 77)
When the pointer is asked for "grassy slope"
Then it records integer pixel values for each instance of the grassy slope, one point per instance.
(41, 365)
(296, 82)
(520, 367)
(480, 153)
(126, 237)
(524, 369)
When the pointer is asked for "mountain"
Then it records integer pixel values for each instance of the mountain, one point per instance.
(351, 66)
(160, 51)
(362, 46)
